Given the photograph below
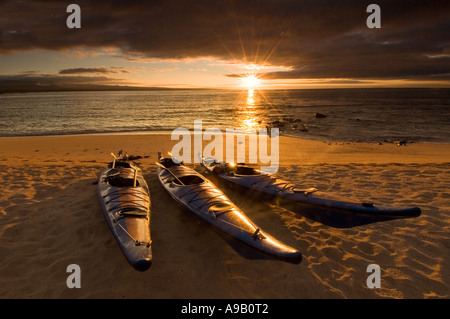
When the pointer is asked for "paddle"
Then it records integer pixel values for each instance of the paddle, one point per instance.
(165, 168)
(162, 166)
(114, 161)
(135, 177)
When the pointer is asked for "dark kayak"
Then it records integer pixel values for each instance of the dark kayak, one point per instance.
(125, 200)
(205, 200)
(250, 178)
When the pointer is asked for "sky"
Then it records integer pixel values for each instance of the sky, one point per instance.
(223, 44)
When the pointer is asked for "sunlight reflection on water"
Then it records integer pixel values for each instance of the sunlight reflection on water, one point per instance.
(354, 114)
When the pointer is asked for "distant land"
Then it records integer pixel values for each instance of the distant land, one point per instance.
(31, 84)
(56, 88)
(112, 88)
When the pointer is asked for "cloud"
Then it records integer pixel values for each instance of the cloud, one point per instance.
(97, 70)
(165, 69)
(314, 38)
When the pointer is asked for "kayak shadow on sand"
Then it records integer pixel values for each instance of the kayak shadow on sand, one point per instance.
(332, 217)
(249, 252)
(338, 218)
(241, 248)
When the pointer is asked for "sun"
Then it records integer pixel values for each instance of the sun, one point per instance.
(250, 81)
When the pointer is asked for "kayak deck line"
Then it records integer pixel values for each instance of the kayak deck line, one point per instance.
(286, 185)
(197, 197)
(196, 190)
(122, 214)
(115, 199)
(136, 242)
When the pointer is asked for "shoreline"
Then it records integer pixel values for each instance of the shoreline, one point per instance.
(169, 132)
(156, 132)
(292, 150)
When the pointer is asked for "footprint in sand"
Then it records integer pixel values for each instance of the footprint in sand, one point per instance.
(389, 293)
(109, 243)
(396, 273)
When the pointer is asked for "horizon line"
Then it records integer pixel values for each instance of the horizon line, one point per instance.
(168, 88)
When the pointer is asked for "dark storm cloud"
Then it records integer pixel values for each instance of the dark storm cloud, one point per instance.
(98, 70)
(315, 38)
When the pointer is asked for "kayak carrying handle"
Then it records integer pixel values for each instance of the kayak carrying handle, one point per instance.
(257, 234)
(306, 191)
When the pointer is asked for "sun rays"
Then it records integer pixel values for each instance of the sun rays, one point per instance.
(250, 81)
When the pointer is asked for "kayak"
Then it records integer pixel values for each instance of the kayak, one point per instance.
(201, 197)
(125, 200)
(247, 177)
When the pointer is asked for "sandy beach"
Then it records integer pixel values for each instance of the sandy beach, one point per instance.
(50, 217)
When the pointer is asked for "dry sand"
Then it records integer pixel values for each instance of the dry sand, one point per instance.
(50, 217)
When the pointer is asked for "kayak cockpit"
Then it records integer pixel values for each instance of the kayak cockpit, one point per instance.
(120, 163)
(115, 180)
(188, 180)
(236, 170)
(245, 171)
(168, 162)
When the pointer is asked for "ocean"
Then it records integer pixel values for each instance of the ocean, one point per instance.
(366, 115)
